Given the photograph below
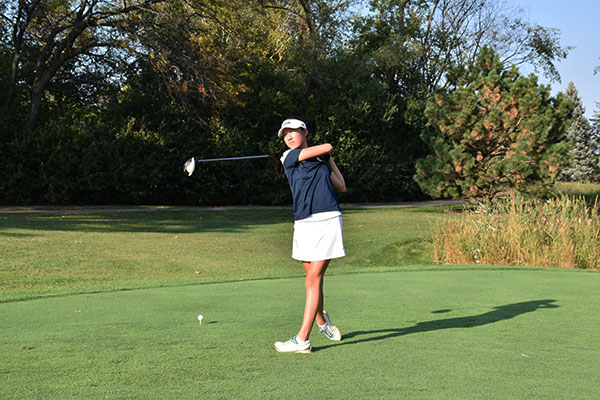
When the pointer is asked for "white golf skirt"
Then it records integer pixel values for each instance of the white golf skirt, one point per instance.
(318, 237)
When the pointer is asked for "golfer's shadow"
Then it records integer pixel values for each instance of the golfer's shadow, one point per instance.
(499, 313)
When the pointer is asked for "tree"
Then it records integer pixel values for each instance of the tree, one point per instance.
(584, 142)
(595, 121)
(495, 131)
(202, 51)
(65, 39)
(414, 42)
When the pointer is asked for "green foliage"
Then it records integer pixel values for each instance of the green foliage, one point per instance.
(495, 132)
(216, 78)
(391, 37)
(363, 122)
(413, 44)
(584, 158)
(595, 121)
(375, 146)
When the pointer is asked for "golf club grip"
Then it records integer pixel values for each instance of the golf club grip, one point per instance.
(231, 158)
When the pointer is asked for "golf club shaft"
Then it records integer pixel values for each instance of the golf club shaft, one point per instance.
(231, 158)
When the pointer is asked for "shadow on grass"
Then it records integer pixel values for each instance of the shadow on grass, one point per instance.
(499, 313)
(154, 221)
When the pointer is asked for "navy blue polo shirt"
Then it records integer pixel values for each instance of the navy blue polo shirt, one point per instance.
(310, 182)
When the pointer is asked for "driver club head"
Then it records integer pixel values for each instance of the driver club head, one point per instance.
(190, 166)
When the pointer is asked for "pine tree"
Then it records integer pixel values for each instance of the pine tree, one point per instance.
(497, 131)
(581, 136)
(595, 121)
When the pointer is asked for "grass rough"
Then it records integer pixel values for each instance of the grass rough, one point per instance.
(562, 232)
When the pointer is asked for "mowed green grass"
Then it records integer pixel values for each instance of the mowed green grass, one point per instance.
(446, 334)
(58, 253)
(105, 305)
(589, 191)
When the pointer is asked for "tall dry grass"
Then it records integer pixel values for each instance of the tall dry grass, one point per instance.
(561, 232)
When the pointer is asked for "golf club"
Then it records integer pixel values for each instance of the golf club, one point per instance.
(190, 165)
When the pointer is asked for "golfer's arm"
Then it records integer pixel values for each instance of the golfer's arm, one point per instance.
(314, 151)
(336, 177)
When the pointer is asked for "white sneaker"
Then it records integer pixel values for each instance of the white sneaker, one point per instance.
(293, 346)
(330, 330)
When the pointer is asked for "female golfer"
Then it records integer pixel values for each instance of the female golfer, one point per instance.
(313, 177)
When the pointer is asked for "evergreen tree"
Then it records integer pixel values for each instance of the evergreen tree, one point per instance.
(495, 132)
(584, 142)
(596, 131)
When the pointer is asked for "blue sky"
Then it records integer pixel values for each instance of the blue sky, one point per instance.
(579, 23)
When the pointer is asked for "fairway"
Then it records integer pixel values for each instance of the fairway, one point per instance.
(452, 333)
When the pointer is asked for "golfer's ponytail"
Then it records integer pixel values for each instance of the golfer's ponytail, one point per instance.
(277, 164)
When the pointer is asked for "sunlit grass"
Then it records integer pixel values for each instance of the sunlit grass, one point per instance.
(560, 232)
(53, 253)
(454, 333)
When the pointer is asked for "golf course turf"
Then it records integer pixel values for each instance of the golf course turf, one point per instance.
(410, 330)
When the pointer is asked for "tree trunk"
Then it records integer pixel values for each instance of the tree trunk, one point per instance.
(34, 112)
(40, 84)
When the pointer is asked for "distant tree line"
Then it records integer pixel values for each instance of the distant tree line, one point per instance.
(101, 102)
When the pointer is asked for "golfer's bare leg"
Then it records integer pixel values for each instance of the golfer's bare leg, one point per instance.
(313, 307)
